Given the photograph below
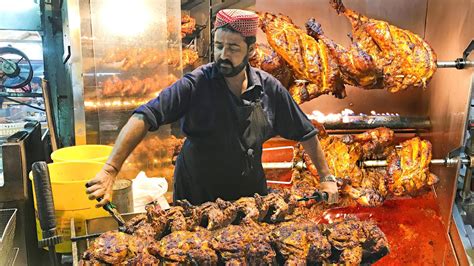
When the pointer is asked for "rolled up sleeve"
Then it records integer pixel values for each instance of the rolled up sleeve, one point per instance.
(290, 121)
(170, 105)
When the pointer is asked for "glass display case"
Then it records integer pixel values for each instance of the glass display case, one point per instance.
(126, 58)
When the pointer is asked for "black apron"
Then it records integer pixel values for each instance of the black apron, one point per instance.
(202, 174)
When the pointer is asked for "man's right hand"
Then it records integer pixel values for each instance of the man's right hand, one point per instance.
(101, 186)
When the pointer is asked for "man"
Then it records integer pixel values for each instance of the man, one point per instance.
(36, 85)
(227, 109)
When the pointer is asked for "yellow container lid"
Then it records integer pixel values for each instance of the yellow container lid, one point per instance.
(96, 153)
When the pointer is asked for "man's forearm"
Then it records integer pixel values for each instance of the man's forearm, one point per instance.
(313, 148)
(131, 134)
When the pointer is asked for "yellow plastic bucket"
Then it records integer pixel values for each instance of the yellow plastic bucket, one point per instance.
(95, 153)
(68, 181)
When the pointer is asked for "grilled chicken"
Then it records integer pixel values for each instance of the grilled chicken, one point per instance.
(354, 239)
(296, 241)
(146, 59)
(245, 244)
(301, 243)
(359, 184)
(407, 172)
(357, 67)
(280, 205)
(302, 91)
(406, 59)
(251, 208)
(177, 218)
(266, 59)
(117, 87)
(218, 214)
(408, 168)
(186, 248)
(109, 247)
(188, 25)
(342, 159)
(309, 59)
(135, 223)
(375, 143)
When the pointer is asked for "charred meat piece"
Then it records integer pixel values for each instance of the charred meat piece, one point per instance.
(138, 245)
(110, 247)
(142, 259)
(408, 168)
(156, 217)
(301, 242)
(218, 214)
(136, 222)
(281, 204)
(406, 59)
(354, 241)
(176, 218)
(374, 142)
(251, 208)
(245, 244)
(186, 248)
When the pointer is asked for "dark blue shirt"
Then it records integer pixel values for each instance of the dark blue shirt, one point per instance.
(212, 118)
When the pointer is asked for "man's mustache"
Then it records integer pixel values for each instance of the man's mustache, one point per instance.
(224, 61)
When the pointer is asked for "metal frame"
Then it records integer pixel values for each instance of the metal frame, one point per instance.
(73, 59)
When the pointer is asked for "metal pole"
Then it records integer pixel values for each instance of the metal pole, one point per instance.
(455, 64)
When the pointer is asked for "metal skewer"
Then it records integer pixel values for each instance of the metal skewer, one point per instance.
(461, 62)
(448, 162)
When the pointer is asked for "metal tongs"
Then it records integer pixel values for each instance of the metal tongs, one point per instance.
(112, 210)
(318, 196)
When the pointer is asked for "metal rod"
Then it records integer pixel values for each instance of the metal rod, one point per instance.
(455, 64)
(374, 163)
(277, 165)
(449, 162)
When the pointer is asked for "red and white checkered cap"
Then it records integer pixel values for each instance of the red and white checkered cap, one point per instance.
(243, 21)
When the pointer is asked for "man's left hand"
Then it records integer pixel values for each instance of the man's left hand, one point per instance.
(331, 188)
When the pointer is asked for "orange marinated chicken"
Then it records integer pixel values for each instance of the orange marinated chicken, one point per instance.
(406, 59)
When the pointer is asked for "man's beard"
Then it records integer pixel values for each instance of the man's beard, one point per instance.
(231, 71)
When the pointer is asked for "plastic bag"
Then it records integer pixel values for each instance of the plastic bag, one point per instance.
(149, 189)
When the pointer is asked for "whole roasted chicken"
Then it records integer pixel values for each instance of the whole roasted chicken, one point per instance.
(405, 58)
(356, 66)
(308, 58)
(407, 172)
(408, 168)
(266, 59)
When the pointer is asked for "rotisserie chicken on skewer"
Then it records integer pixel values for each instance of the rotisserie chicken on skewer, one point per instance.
(266, 59)
(356, 66)
(406, 59)
(407, 174)
(309, 59)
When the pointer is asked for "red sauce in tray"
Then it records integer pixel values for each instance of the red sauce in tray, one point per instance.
(413, 228)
